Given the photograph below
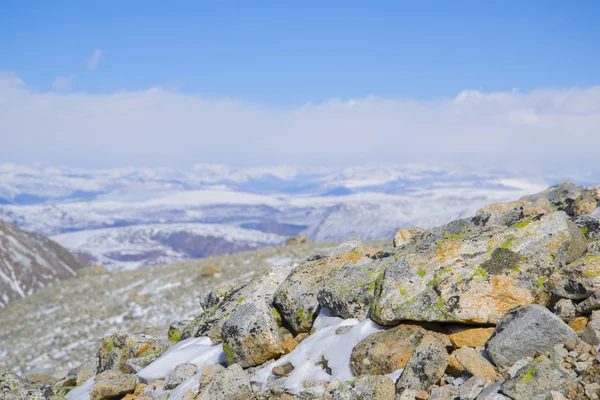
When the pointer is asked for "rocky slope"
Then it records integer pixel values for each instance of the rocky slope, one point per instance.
(29, 262)
(502, 305)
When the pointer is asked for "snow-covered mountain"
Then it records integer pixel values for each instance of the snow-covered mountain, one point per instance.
(128, 217)
(30, 261)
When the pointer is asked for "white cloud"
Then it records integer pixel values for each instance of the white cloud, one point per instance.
(157, 127)
(92, 63)
(63, 84)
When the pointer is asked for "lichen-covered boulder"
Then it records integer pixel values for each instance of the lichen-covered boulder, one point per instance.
(260, 289)
(536, 380)
(350, 292)
(388, 351)
(251, 335)
(476, 275)
(112, 384)
(231, 384)
(525, 331)
(148, 354)
(425, 367)
(118, 348)
(296, 298)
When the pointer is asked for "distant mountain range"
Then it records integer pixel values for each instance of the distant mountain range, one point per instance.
(132, 217)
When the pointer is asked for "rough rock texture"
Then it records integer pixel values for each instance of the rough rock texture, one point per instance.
(577, 280)
(591, 333)
(296, 298)
(111, 384)
(179, 375)
(403, 236)
(473, 387)
(231, 384)
(118, 348)
(474, 273)
(472, 337)
(565, 310)
(525, 331)
(30, 261)
(373, 388)
(536, 380)
(590, 304)
(425, 367)
(387, 351)
(475, 364)
(350, 292)
(251, 335)
(260, 289)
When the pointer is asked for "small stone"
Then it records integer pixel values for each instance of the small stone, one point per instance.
(558, 353)
(158, 383)
(474, 362)
(475, 337)
(578, 323)
(422, 395)
(445, 393)
(525, 331)
(565, 309)
(590, 304)
(180, 373)
(138, 388)
(592, 389)
(283, 370)
(374, 387)
(591, 333)
(403, 236)
(554, 395)
(473, 387)
(454, 367)
(208, 374)
(425, 367)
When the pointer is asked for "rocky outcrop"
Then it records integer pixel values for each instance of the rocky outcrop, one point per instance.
(30, 261)
(503, 305)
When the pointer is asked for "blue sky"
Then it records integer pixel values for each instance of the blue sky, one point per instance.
(489, 83)
(294, 52)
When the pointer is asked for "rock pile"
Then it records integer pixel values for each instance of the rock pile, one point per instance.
(503, 305)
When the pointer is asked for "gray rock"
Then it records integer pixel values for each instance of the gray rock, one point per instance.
(118, 348)
(296, 298)
(425, 367)
(536, 380)
(251, 335)
(478, 274)
(525, 331)
(590, 304)
(111, 384)
(554, 395)
(558, 353)
(231, 384)
(445, 393)
(176, 328)
(350, 292)
(561, 196)
(591, 333)
(579, 280)
(373, 387)
(590, 225)
(475, 363)
(565, 309)
(592, 389)
(490, 392)
(180, 373)
(260, 289)
(149, 354)
(473, 387)
(208, 374)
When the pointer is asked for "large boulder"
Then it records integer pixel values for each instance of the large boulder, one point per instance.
(350, 292)
(388, 351)
(251, 336)
(260, 289)
(474, 273)
(526, 331)
(425, 368)
(296, 298)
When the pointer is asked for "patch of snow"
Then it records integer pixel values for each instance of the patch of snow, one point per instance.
(81, 392)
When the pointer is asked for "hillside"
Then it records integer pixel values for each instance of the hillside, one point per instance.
(503, 305)
(30, 262)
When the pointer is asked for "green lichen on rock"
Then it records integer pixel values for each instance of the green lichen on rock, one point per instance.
(502, 260)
